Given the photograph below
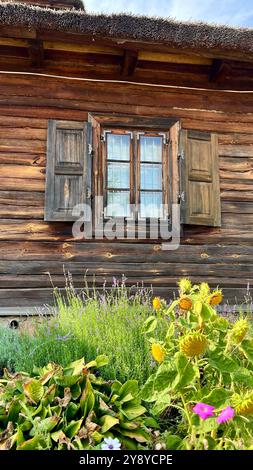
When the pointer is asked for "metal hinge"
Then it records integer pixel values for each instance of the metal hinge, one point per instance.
(88, 193)
(90, 149)
(181, 155)
(181, 197)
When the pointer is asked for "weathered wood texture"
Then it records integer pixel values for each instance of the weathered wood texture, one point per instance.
(30, 247)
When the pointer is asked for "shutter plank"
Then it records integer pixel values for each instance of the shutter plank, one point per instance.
(201, 204)
(68, 180)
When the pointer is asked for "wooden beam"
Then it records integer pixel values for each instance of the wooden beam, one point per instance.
(36, 53)
(174, 58)
(129, 63)
(219, 70)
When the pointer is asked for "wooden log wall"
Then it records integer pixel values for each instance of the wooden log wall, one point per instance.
(30, 247)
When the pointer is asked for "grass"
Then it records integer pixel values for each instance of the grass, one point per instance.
(87, 324)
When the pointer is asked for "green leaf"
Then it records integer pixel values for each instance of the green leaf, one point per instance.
(107, 422)
(247, 347)
(100, 361)
(172, 441)
(128, 391)
(165, 376)
(186, 372)
(147, 391)
(206, 312)
(71, 411)
(162, 403)
(150, 324)
(75, 367)
(208, 425)
(133, 411)
(223, 363)
(76, 391)
(72, 429)
(139, 435)
(197, 308)
(243, 376)
(216, 397)
(32, 444)
(14, 410)
(151, 423)
(87, 400)
(44, 426)
(67, 380)
(34, 390)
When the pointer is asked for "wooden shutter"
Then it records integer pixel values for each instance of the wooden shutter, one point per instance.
(68, 179)
(200, 188)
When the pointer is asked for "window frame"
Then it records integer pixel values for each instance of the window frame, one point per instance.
(104, 121)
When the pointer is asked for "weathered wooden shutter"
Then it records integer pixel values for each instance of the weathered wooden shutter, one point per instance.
(68, 179)
(200, 188)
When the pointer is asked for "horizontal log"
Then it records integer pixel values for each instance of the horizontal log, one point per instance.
(236, 150)
(19, 158)
(100, 252)
(22, 184)
(39, 297)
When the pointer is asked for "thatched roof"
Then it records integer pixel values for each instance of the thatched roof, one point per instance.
(123, 26)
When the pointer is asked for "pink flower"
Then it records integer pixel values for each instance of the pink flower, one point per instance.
(203, 410)
(225, 415)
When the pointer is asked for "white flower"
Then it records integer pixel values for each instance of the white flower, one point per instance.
(111, 444)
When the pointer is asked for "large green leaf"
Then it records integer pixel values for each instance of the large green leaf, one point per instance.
(223, 363)
(216, 397)
(150, 324)
(107, 422)
(186, 372)
(208, 425)
(133, 411)
(100, 361)
(165, 376)
(34, 390)
(139, 435)
(72, 429)
(243, 376)
(147, 392)
(37, 442)
(67, 380)
(44, 426)
(247, 347)
(87, 399)
(172, 441)
(128, 391)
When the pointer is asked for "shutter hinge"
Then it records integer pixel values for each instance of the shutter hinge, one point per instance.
(180, 155)
(88, 193)
(181, 197)
(90, 149)
(102, 138)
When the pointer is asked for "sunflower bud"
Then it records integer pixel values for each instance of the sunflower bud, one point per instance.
(204, 289)
(158, 352)
(185, 303)
(193, 344)
(243, 404)
(184, 285)
(157, 303)
(239, 330)
(215, 298)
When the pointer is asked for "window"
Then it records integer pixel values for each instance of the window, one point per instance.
(136, 175)
(133, 162)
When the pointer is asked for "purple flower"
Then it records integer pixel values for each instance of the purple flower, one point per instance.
(203, 410)
(225, 415)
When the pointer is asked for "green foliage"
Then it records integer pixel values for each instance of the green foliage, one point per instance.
(70, 408)
(208, 359)
(87, 324)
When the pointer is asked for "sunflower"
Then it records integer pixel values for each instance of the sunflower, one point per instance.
(243, 404)
(193, 344)
(185, 303)
(158, 352)
(215, 298)
(184, 285)
(157, 303)
(239, 330)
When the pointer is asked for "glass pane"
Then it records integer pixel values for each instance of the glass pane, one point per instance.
(118, 147)
(118, 204)
(151, 176)
(118, 175)
(151, 149)
(151, 204)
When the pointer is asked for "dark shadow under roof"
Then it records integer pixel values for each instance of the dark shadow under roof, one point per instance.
(164, 31)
